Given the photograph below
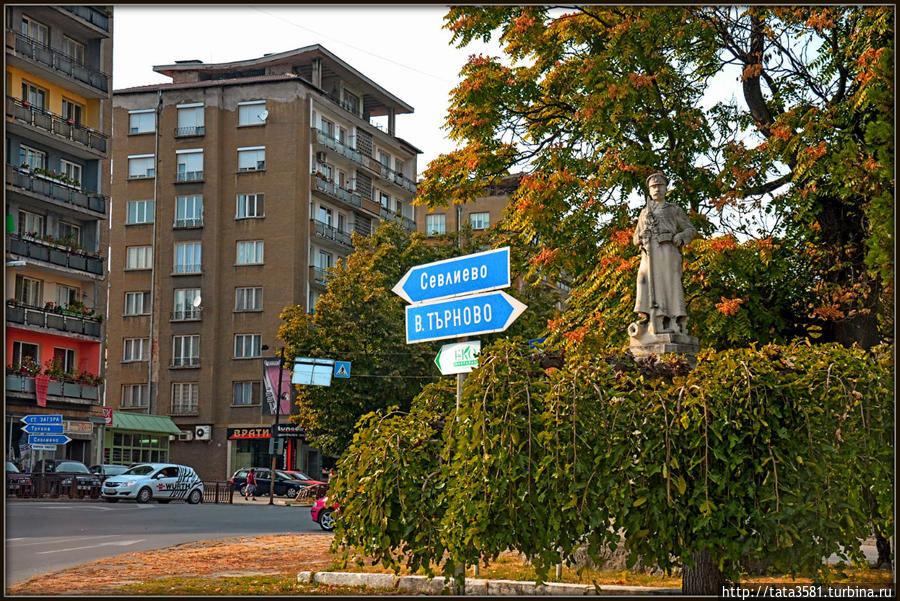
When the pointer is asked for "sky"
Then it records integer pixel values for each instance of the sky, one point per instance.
(404, 49)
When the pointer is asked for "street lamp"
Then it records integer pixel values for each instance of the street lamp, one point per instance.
(275, 433)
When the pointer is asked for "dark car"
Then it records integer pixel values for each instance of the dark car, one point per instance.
(72, 474)
(17, 483)
(108, 469)
(286, 483)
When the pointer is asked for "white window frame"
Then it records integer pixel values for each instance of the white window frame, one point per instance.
(250, 206)
(135, 349)
(186, 218)
(251, 158)
(249, 252)
(326, 215)
(480, 221)
(138, 258)
(71, 170)
(139, 212)
(180, 265)
(74, 49)
(29, 291)
(141, 121)
(68, 363)
(189, 165)
(253, 398)
(72, 111)
(135, 298)
(22, 349)
(435, 226)
(183, 304)
(141, 166)
(248, 298)
(247, 346)
(250, 111)
(185, 397)
(186, 350)
(66, 295)
(135, 395)
(31, 223)
(35, 30)
(32, 157)
(189, 124)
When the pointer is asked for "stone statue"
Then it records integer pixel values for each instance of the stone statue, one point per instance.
(662, 229)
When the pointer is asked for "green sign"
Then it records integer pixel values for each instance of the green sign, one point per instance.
(458, 358)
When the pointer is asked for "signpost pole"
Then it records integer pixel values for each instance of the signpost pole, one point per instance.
(275, 438)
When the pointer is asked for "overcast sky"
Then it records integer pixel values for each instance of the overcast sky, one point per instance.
(402, 48)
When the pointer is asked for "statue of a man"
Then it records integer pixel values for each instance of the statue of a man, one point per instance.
(662, 229)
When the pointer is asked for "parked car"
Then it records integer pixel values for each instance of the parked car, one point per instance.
(324, 513)
(304, 478)
(74, 473)
(108, 469)
(161, 481)
(15, 480)
(287, 483)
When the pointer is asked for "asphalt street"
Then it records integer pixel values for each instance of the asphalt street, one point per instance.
(46, 536)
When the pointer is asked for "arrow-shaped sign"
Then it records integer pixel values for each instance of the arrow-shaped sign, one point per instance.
(458, 358)
(42, 419)
(468, 274)
(48, 439)
(42, 428)
(465, 316)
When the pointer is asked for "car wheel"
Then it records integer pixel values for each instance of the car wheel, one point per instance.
(291, 492)
(326, 520)
(110, 500)
(162, 501)
(144, 495)
(243, 490)
(195, 497)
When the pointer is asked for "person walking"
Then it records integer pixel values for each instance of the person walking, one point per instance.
(251, 485)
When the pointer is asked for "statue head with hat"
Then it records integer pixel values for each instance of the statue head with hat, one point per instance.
(657, 184)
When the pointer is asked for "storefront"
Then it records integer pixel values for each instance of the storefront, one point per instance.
(138, 438)
(251, 447)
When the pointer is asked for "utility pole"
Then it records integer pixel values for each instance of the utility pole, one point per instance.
(275, 434)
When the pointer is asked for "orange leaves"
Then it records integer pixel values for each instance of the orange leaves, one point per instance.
(577, 335)
(622, 237)
(751, 71)
(782, 132)
(523, 23)
(830, 313)
(820, 21)
(641, 80)
(818, 151)
(723, 243)
(729, 306)
(546, 256)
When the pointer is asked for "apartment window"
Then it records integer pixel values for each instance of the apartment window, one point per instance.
(247, 393)
(398, 166)
(384, 199)
(341, 134)
(326, 170)
(190, 119)
(248, 299)
(36, 31)
(137, 303)
(187, 305)
(252, 158)
(250, 205)
(29, 291)
(74, 49)
(185, 396)
(139, 211)
(249, 252)
(325, 215)
(189, 211)
(31, 223)
(342, 223)
(141, 121)
(69, 232)
(351, 102)
(139, 257)
(66, 295)
(136, 349)
(141, 166)
(246, 346)
(480, 221)
(64, 358)
(435, 224)
(252, 112)
(384, 158)
(31, 158)
(135, 395)
(24, 352)
(327, 128)
(187, 257)
(72, 111)
(185, 350)
(325, 259)
(33, 95)
(71, 170)
(188, 165)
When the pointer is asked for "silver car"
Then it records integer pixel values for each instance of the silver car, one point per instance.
(148, 481)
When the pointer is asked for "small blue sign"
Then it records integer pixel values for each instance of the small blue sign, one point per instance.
(341, 369)
(536, 343)
(42, 419)
(465, 316)
(478, 272)
(48, 439)
(42, 429)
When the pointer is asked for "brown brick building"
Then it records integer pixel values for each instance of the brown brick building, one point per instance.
(481, 214)
(235, 187)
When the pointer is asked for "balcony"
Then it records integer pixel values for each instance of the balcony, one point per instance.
(22, 385)
(190, 130)
(59, 128)
(188, 176)
(394, 177)
(59, 62)
(334, 191)
(58, 319)
(25, 246)
(406, 222)
(318, 276)
(49, 189)
(337, 146)
(189, 314)
(91, 15)
(185, 362)
(326, 232)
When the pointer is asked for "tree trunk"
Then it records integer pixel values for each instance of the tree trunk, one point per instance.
(884, 552)
(704, 578)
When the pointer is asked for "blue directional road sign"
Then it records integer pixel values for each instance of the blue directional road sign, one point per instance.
(466, 316)
(42, 428)
(468, 274)
(42, 419)
(342, 369)
(48, 439)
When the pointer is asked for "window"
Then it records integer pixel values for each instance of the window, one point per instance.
(249, 252)
(341, 134)
(75, 50)
(25, 352)
(72, 111)
(247, 393)
(246, 346)
(384, 158)
(69, 232)
(139, 257)
(325, 215)
(185, 396)
(64, 358)
(30, 158)
(29, 291)
(187, 257)
(34, 30)
(141, 121)
(65, 295)
(435, 224)
(351, 102)
(139, 211)
(252, 112)
(327, 128)
(185, 307)
(141, 166)
(71, 170)
(480, 221)
(252, 158)
(325, 259)
(189, 165)
(31, 223)
(248, 299)
(384, 199)
(34, 96)
(137, 303)
(250, 205)
(342, 223)
(185, 351)
(190, 119)
(135, 395)
(189, 211)
(136, 349)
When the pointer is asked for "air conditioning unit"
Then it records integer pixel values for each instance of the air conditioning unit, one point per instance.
(202, 432)
(321, 156)
(185, 436)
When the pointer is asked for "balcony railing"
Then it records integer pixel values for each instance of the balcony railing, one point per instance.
(41, 251)
(185, 362)
(72, 391)
(319, 275)
(55, 124)
(334, 191)
(61, 62)
(191, 314)
(46, 318)
(189, 176)
(188, 222)
(344, 104)
(407, 223)
(187, 268)
(191, 130)
(49, 188)
(337, 146)
(396, 177)
(328, 232)
(90, 14)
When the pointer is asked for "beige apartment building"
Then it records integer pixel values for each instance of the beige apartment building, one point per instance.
(235, 187)
(482, 213)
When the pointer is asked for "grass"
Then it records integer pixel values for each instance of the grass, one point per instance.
(239, 585)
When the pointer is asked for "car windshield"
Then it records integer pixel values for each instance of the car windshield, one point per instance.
(72, 466)
(138, 470)
(299, 476)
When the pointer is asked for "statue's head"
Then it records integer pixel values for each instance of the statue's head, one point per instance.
(657, 184)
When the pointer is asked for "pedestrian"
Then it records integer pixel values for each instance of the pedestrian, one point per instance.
(251, 485)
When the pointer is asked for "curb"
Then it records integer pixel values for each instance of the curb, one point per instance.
(475, 586)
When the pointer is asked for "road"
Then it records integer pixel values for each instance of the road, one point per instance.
(46, 536)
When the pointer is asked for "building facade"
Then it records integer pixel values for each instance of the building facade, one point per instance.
(235, 187)
(482, 213)
(58, 124)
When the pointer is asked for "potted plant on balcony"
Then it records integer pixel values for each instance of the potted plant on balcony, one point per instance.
(28, 367)
(53, 368)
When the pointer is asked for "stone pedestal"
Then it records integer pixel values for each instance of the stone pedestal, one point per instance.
(643, 342)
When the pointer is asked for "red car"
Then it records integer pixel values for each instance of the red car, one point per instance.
(324, 513)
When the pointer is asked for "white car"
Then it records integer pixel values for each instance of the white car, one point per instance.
(161, 481)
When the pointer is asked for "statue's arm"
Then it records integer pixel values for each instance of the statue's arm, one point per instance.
(638, 231)
(687, 232)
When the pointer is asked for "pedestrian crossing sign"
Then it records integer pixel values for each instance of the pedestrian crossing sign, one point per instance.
(341, 369)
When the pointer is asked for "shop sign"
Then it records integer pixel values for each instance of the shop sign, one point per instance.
(245, 433)
(79, 427)
(290, 431)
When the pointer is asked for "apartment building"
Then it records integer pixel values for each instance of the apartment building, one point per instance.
(482, 213)
(58, 123)
(235, 187)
